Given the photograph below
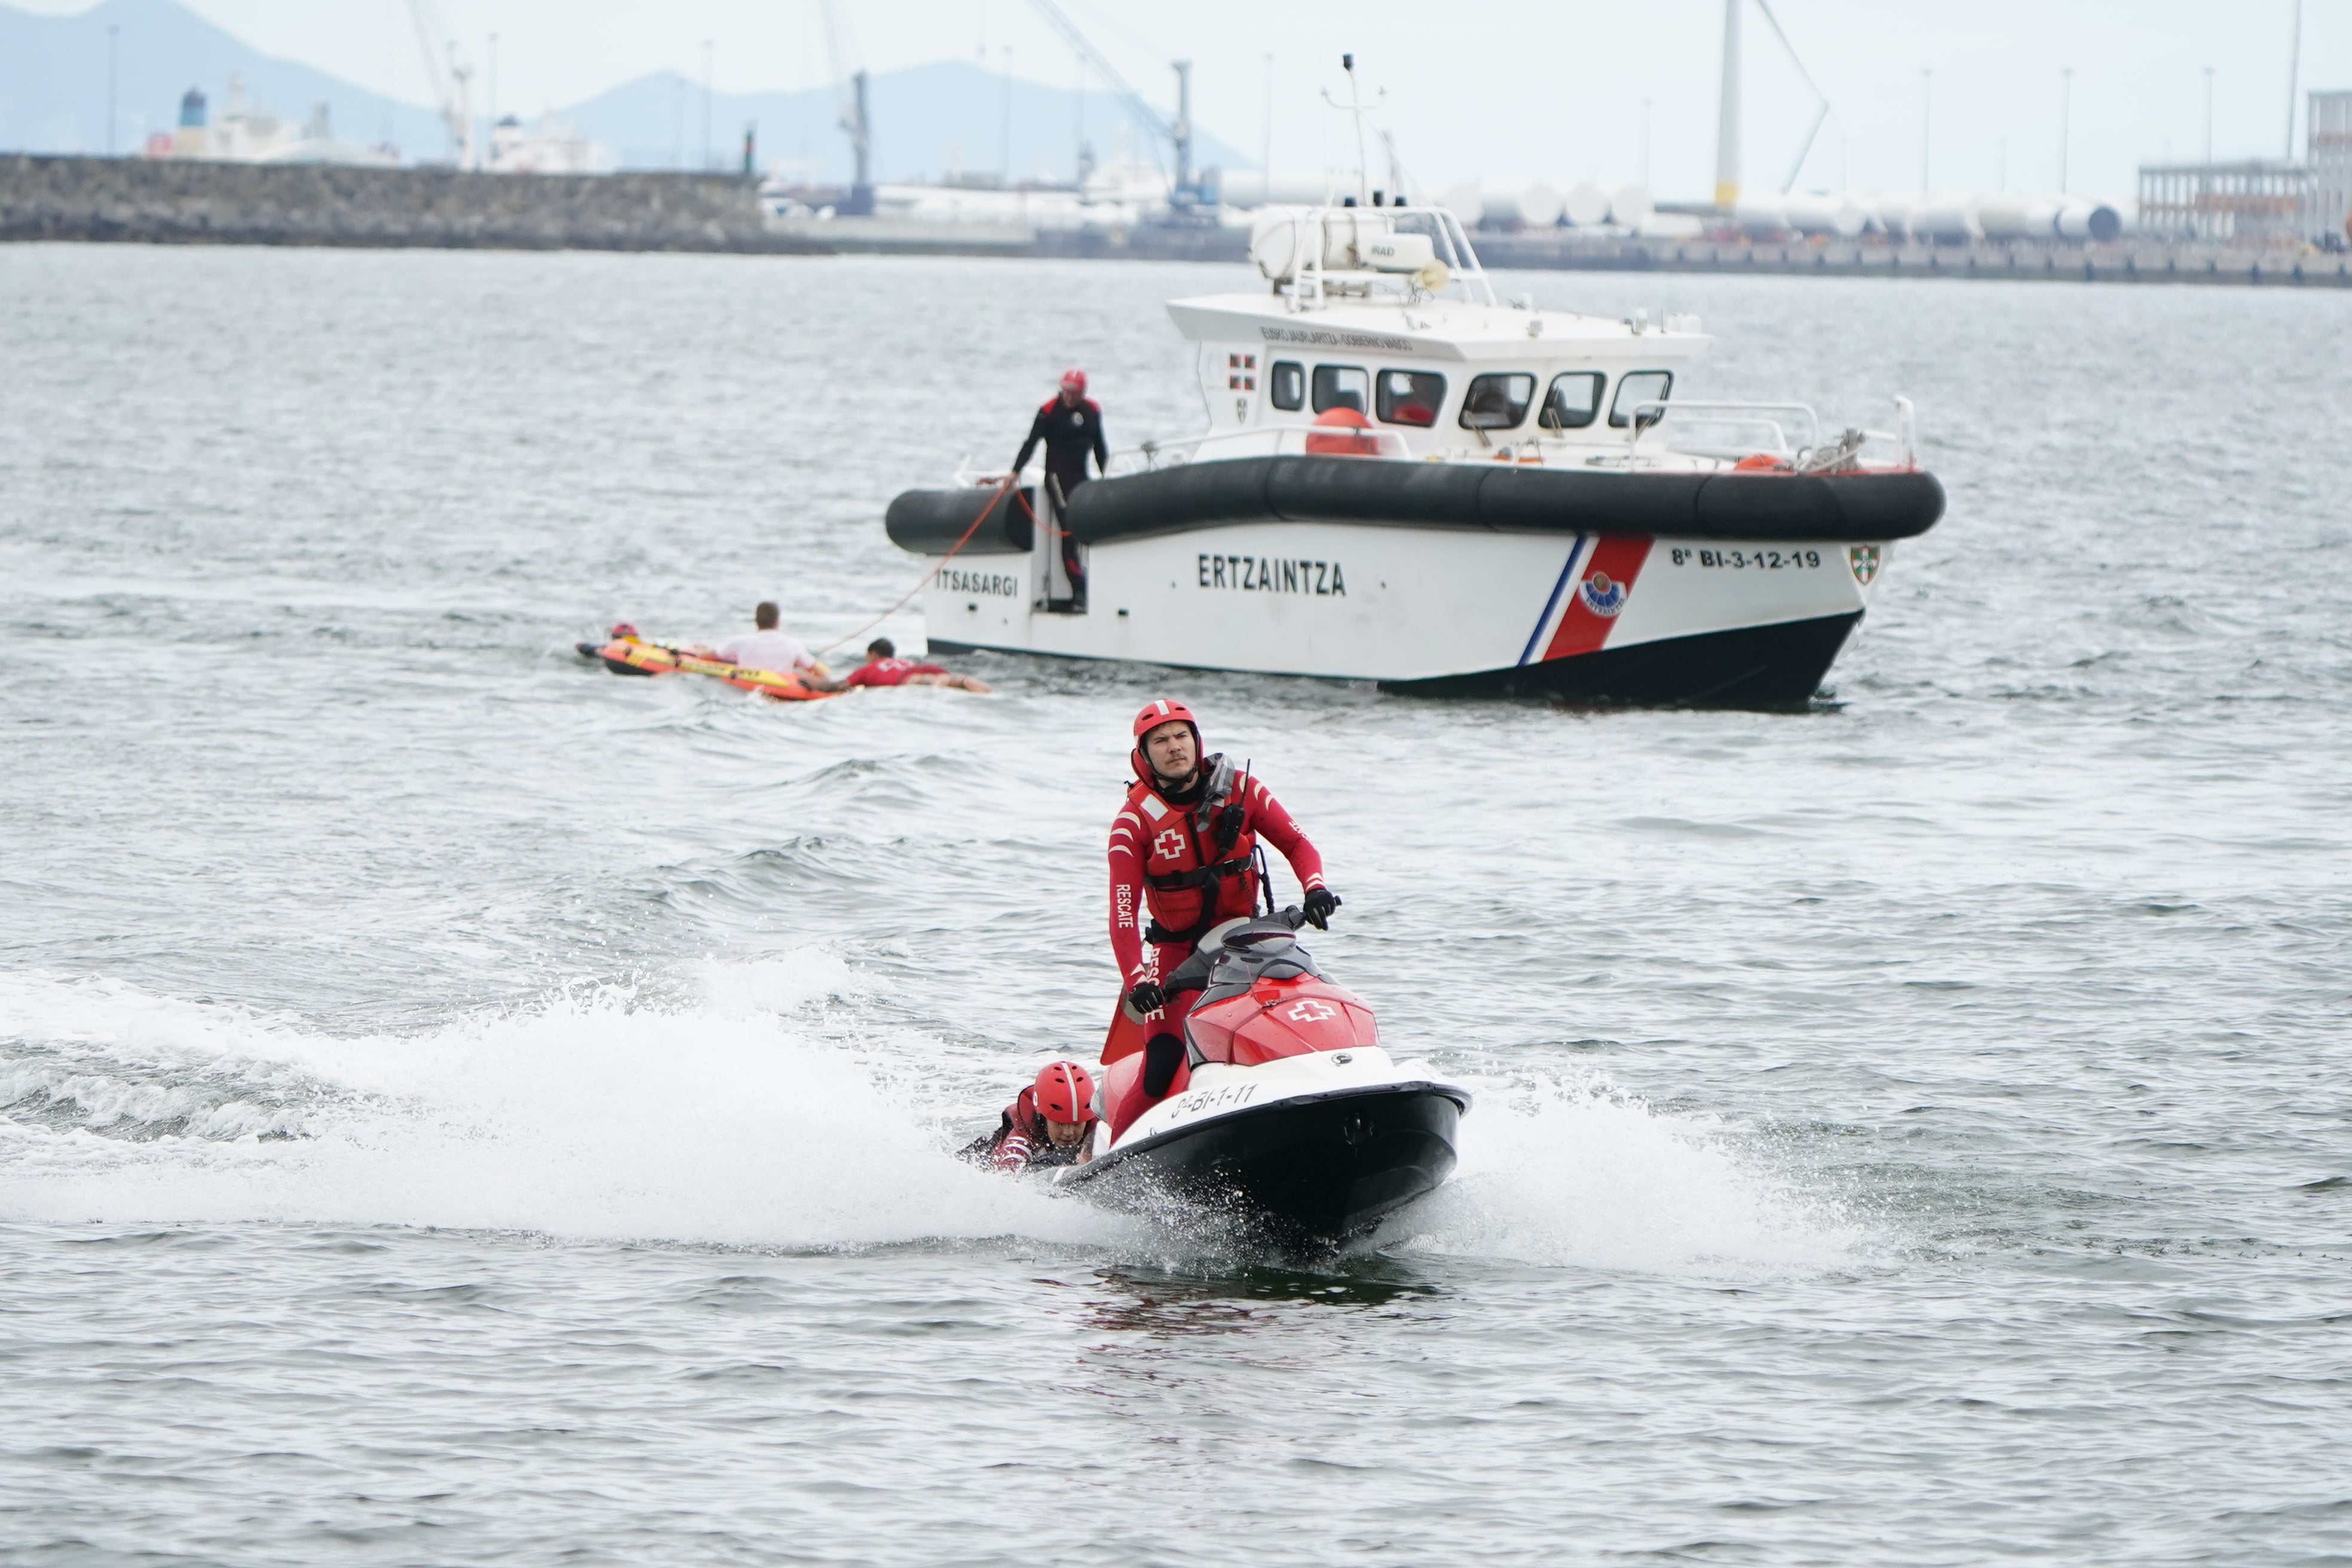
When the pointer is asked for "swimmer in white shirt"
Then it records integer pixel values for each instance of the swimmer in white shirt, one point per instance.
(768, 649)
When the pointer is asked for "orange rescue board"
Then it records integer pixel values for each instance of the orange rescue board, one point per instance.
(624, 656)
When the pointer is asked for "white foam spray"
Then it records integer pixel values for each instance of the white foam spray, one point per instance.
(1575, 1174)
(596, 1115)
(740, 1113)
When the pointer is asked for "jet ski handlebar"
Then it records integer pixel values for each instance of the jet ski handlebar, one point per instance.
(1290, 919)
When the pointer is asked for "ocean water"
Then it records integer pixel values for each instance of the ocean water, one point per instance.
(458, 1107)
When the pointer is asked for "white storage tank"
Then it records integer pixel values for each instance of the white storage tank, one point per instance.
(1949, 217)
(1541, 206)
(1586, 206)
(2006, 217)
(1891, 214)
(1465, 202)
(1819, 211)
(2083, 218)
(1761, 214)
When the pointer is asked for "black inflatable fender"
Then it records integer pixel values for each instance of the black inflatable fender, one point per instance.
(929, 522)
(1509, 498)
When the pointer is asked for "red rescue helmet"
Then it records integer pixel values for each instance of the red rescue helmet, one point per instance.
(1064, 1093)
(1166, 710)
(623, 629)
(1075, 380)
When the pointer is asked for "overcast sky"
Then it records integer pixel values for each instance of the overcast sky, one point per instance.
(1508, 88)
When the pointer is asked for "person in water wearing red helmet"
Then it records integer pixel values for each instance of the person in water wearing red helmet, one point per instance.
(1070, 425)
(883, 666)
(1046, 1125)
(1183, 852)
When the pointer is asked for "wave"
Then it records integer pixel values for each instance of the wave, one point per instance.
(755, 1105)
(715, 1120)
(1577, 1174)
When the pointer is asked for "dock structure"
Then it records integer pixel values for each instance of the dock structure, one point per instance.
(187, 201)
(2116, 261)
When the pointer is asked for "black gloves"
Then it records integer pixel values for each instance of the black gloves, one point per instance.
(1145, 996)
(1319, 903)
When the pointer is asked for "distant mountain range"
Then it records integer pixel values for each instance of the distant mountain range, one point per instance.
(927, 121)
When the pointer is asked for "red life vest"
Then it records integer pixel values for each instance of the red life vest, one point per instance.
(1196, 873)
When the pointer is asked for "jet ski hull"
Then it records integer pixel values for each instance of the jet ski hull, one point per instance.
(1314, 1168)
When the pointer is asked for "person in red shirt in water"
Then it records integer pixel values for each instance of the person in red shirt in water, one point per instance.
(883, 666)
(1182, 850)
(1046, 1125)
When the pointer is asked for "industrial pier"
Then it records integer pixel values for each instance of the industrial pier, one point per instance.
(142, 201)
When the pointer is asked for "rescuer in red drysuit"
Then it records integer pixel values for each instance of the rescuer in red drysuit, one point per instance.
(883, 666)
(1046, 1125)
(1182, 850)
(1070, 425)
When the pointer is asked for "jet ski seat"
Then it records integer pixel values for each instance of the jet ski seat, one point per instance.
(1234, 955)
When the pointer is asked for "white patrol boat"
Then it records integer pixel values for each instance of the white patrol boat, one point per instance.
(1407, 480)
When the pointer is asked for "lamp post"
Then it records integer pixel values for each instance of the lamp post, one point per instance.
(2209, 114)
(1926, 124)
(2066, 121)
(490, 135)
(1266, 139)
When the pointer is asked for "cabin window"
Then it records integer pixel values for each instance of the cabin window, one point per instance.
(1497, 402)
(1342, 386)
(1410, 397)
(1573, 402)
(1286, 383)
(1641, 386)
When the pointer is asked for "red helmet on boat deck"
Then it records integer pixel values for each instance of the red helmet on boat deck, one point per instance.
(1065, 1092)
(1075, 380)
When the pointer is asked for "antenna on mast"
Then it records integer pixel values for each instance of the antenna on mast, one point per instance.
(1358, 108)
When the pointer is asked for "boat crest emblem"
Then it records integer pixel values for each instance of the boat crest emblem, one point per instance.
(1311, 1012)
(1864, 559)
(1604, 595)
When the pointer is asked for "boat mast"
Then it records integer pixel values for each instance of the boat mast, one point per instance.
(1356, 109)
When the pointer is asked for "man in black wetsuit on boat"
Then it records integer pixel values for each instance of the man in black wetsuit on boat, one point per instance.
(1070, 425)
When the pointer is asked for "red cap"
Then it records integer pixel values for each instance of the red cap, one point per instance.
(1064, 1093)
(1074, 380)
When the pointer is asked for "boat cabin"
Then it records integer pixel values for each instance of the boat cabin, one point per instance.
(1382, 321)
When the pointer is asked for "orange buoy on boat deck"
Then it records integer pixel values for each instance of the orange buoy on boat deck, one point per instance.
(1341, 432)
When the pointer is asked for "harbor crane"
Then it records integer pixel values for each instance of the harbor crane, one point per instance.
(849, 82)
(453, 90)
(1187, 192)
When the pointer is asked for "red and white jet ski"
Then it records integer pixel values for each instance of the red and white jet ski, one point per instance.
(1287, 1113)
